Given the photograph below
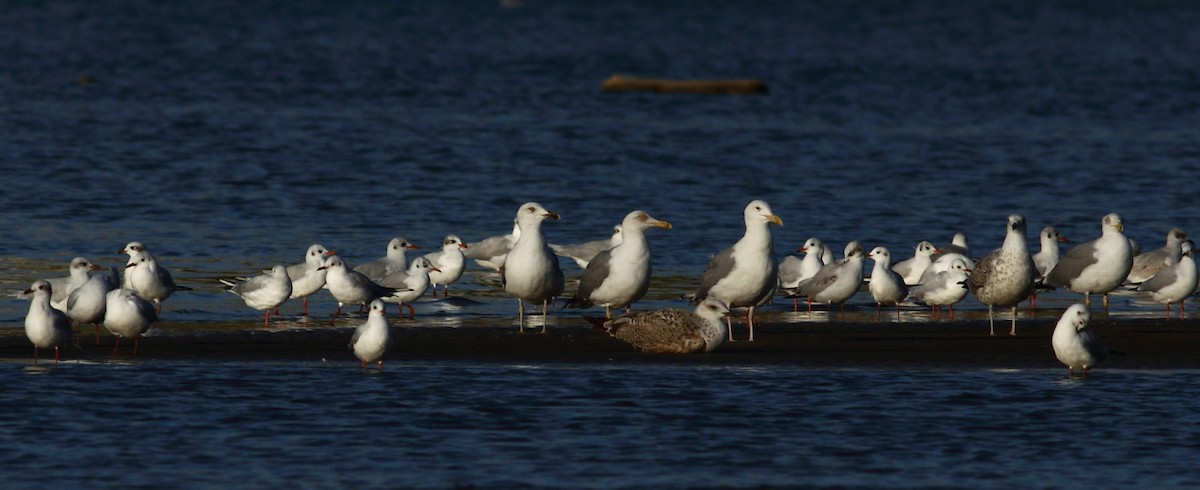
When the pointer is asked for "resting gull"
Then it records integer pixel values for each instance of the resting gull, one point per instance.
(1004, 277)
(371, 339)
(1098, 266)
(490, 251)
(943, 288)
(448, 264)
(794, 272)
(582, 253)
(308, 277)
(1146, 265)
(45, 326)
(1046, 258)
(744, 275)
(395, 260)
(410, 285)
(264, 291)
(619, 276)
(531, 271)
(912, 268)
(350, 287)
(836, 283)
(886, 286)
(1075, 345)
(78, 273)
(86, 303)
(1175, 282)
(127, 315)
(670, 330)
(149, 280)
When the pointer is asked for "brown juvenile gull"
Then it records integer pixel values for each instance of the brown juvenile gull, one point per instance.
(744, 275)
(671, 330)
(1004, 277)
(619, 276)
(1075, 345)
(531, 271)
(582, 253)
(1098, 266)
(1146, 265)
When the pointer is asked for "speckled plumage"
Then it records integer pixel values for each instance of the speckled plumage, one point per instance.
(1005, 277)
(673, 331)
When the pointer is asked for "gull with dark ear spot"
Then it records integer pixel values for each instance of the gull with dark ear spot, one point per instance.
(394, 261)
(409, 285)
(1004, 277)
(1045, 259)
(1098, 266)
(670, 330)
(1075, 345)
(943, 288)
(793, 272)
(886, 287)
(619, 276)
(746, 274)
(836, 283)
(45, 327)
(448, 264)
(86, 304)
(308, 277)
(148, 280)
(263, 292)
(350, 287)
(127, 315)
(531, 271)
(78, 273)
(582, 253)
(1146, 265)
(911, 269)
(371, 339)
(490, 251)
(1174, 283)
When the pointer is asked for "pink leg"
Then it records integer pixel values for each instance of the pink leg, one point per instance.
(97, 325)
(336, 313)
(412, 314)
(135, 345)
(304, 302)
(116, 344)
(35, 349)
(381, 364)
(56, 355)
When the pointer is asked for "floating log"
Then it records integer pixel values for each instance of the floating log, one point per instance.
(625, 83)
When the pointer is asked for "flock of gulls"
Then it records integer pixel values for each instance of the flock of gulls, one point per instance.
(617, 272)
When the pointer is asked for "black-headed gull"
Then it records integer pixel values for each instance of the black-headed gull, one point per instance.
(394, 261)
(582, 253)
(308, 277)
(1075, 345)
(836, 282)
(45, 326)
(448, 264)
(409, 285)
(264, 292)
(1175, 282)
(1146, 265)
(943, 288)
(128, 315)
(886, 286)
(350, 287)
(371, 339)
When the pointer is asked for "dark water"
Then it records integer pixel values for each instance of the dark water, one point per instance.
(230, 136)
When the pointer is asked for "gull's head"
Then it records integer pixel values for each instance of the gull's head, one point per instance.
(1016, 223)
(39, 288)
(532, 212)
(132, 248)
(880, 254)
(452, 242)
(642, 220)
(399, 245)
(1076, 317)
(1112, 222)
(332, 262)
(926, 248)
(759, 211)
(854, 250)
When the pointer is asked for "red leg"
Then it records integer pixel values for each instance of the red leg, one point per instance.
(412, 314)
(116, 344)
(35, 349)
(336, 313)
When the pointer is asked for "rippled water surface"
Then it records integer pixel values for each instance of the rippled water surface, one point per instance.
(229, 136)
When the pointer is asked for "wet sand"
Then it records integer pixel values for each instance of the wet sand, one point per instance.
(1141, 343)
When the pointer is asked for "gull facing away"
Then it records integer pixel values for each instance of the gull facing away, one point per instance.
(1175, 282)
(86, 304)
(1146, 265)
(1045, 259)
(1004, 277)
(371, 339)
(308, 277)
(146, 277)
(746, 274)
(670, 330)
(350, 287)
(582, 253)
(531, 271)
(394, 261)
(410, 285)
(490, 251)
(911, 269)
(127, 315)
(836, 283)
(619, 276)
(1098, 266)
(1075, 345)
(263, 292)
(794, 272)
(79, 271)
(448, 264)
(45, 326)
(886, 286)
(943, 288)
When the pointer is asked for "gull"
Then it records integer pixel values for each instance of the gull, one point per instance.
(1075, 345)
(409, 284)
(264, 291)
(148, 279)
(530, 271)
(394, 261)
(350, 287)
(86, 304)
(746, 274)
(619, 276)
(127, 315)
(794, 272)
(945, 254)
(1098, 266)
(670, 330)
(886, 285)
(943, 288)
(490, 251)
(79, 271)
(582, 253)
(1175, 282)
(836, 282)
(45, 326)
(912, 268)
(371, 339)
(1047, 257)
(1146, 265)
(448, 264)
(1005, 277)
(308, 277)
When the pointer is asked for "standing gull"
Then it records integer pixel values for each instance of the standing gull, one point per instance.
(619, 276)
(490, 251)
(1046, 258)
(410, 285)
(1146, 265)
(531, 271)
(745, 275)
(263, 292)
(582, 253)
(308, 277)
(943, 288)
(350, 287)
(393, 261)
(836, 283)
(1175, 282)
(945, 254)
(670, 330)
(886, 287)
(146, 277)
(86, 302)
(1004, 277)
(371, 339)
(1098, 266)
(79, 271)
(448, 264)
(127, 315)
(912, 268)
(1075, 345)
(794, 272)
(45, 326)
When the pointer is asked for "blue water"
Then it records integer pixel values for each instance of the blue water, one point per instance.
(229, 136)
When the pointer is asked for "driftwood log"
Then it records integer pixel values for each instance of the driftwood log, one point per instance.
(624, 83)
